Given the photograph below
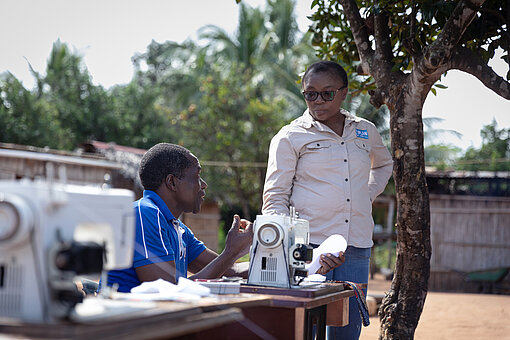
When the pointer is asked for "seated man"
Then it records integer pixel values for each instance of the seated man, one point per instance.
(164, 247)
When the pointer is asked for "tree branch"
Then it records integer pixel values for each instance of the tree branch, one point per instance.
(467, 61)
(383, 54)
(409, 42)
(507, 31)
(360, 34)
(440, 51)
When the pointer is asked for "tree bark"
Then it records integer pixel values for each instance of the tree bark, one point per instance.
(402, 306)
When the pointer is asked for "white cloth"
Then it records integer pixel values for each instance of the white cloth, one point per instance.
(163, 290)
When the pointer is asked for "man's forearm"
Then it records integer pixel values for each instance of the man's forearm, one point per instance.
(239, 269)
(216, 268)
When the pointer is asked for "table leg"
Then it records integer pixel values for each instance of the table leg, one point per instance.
(316, 317)
(299, 323)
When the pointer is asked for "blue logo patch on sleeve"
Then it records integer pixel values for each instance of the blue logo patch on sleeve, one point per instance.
(362, 134)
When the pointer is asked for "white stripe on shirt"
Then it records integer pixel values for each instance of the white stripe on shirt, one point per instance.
(143, 233)
(160, 235)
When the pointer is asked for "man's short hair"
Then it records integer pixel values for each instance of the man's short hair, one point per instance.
(161, 160)
(327, 66)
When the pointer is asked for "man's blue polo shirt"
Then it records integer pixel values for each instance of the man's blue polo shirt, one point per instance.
(157, 241)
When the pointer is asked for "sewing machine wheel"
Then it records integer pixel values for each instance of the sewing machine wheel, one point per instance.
(15, 219)
(270, 235)
(9, 222)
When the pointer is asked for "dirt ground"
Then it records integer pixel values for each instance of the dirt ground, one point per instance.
(452, 316)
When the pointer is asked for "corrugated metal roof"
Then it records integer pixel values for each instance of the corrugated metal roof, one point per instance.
(48, 155)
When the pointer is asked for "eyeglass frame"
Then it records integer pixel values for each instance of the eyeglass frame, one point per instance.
(322, 94)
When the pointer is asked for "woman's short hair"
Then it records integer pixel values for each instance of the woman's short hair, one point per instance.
(327, 66)
(162, 160)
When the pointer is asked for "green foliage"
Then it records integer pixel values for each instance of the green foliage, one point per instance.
(413, 25)
(441, 156)
(64, 110)
(82, 107)
(222, 234)
(232, 123)
(383, 257)
(26, 120)
(141, 119)
(493, 155)
(248, 44)
(172, 72)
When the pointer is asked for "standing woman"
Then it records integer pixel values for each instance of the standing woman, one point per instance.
(330, 166)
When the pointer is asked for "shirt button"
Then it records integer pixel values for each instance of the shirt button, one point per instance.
(348, 200)
(342, 143)
(346, 179)
(346, 221)
(345, 160)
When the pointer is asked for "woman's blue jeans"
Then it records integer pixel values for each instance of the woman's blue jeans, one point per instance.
(355, 269)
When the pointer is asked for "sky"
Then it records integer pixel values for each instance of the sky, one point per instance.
(107, 33)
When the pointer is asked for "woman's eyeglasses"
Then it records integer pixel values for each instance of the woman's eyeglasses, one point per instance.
(326, 95)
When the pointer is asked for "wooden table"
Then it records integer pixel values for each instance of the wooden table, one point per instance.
(291, 314)
(166, 320)
(255, 313)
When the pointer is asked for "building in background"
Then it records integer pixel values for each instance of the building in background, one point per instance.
(97, 164)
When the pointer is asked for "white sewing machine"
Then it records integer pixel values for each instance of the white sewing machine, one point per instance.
(279, 250)
(51, 232)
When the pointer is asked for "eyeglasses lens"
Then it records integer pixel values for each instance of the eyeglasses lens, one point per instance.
(313, 95)
(328, 95)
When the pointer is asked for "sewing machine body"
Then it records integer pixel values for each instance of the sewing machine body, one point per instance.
(51, 232)
(279, 251)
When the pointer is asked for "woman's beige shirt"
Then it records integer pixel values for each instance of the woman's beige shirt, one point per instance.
(330, 180)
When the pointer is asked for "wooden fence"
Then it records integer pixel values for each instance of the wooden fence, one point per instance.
(468, 234)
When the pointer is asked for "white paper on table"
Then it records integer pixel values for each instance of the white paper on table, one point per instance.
(333, 244)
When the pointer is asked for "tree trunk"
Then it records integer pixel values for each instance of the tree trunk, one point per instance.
(402, 306)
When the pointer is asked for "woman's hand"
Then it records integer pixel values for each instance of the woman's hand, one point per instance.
(329, 262)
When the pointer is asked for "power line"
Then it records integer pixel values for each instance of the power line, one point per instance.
(235, 164)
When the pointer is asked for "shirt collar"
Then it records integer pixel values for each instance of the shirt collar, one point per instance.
(306, 120)
(160, 204)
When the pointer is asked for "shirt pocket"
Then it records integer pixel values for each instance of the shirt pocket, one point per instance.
(362, 151)
(317, 152)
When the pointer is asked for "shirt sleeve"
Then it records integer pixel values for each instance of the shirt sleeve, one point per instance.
(152, 244)
(381, 165)
(281, 168)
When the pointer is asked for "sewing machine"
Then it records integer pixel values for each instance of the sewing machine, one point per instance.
(52, 232)
(279, 250)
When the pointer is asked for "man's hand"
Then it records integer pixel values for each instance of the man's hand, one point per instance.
(329, 262)
(239, 237)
